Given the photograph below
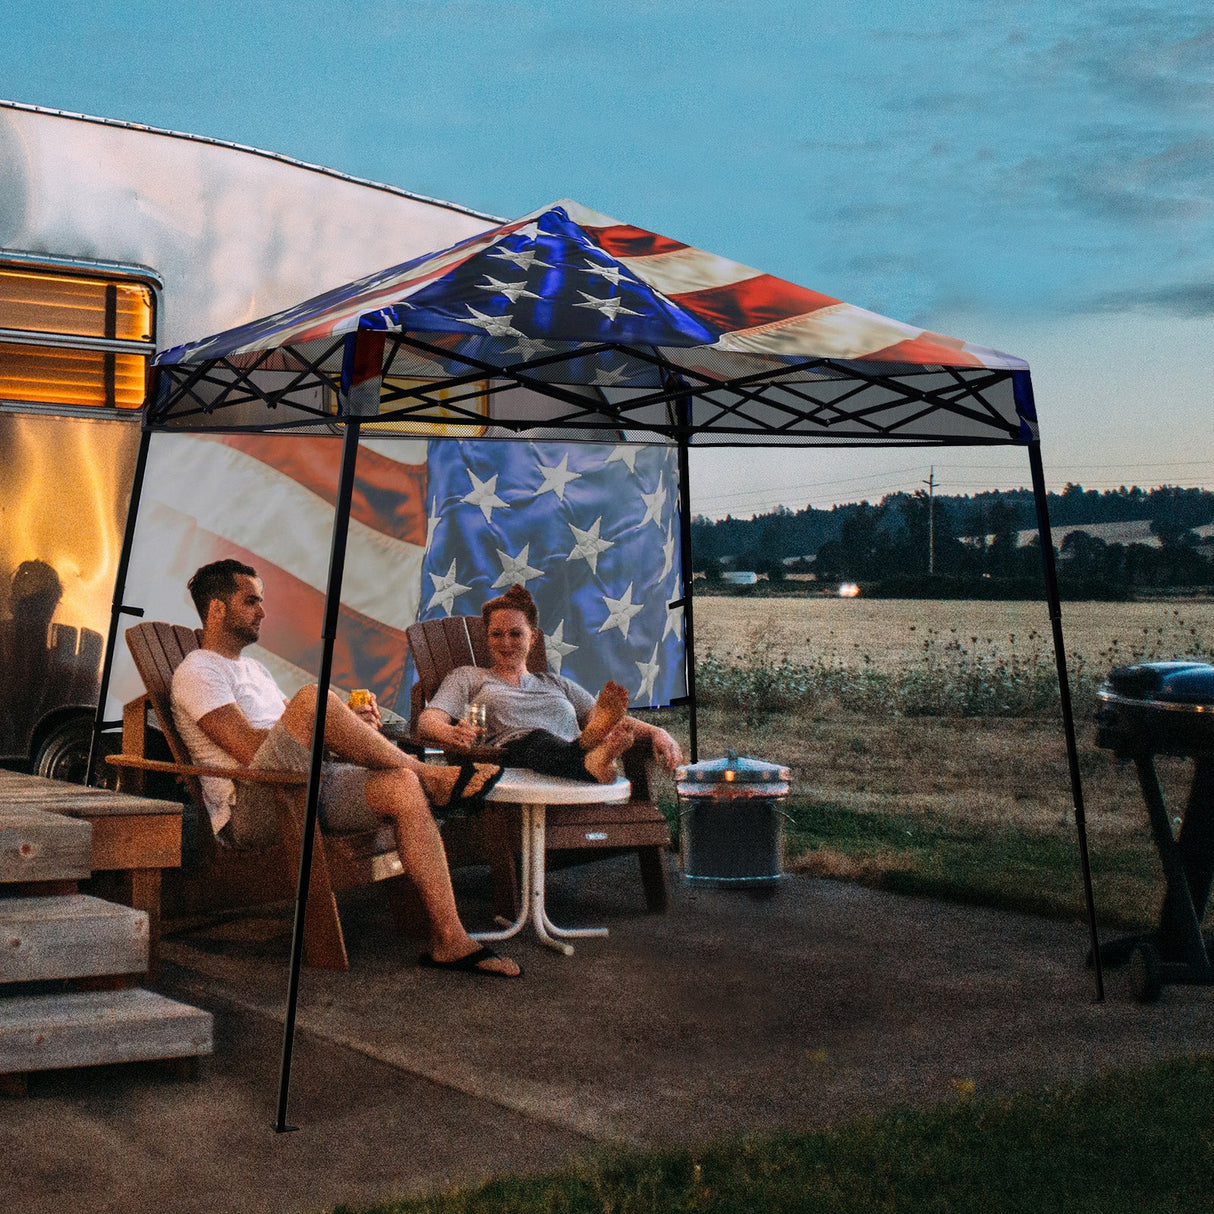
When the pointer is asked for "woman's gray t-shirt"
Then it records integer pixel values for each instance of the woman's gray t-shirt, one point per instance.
(542, 701)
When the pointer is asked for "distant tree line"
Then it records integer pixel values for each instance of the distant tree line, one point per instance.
(967, 540)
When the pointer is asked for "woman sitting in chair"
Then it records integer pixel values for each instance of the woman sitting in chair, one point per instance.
(542, 721)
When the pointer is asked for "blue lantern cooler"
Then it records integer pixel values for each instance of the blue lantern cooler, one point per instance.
(731, 821)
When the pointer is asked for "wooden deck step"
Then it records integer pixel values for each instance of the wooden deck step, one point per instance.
(69, 936)
(40, 846)
(92, 1028)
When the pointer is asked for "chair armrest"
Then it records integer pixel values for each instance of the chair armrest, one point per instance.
(243, 774)
(455, 754)
(474, 754)
(402, 736)
(638, 764)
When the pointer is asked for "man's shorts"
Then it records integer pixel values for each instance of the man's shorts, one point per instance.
(343, 794)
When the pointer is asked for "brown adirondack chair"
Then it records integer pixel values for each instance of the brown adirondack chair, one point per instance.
(576, 834)
(226, 877)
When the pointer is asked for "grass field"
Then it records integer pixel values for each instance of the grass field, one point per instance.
(976, 807)
(1136, 1143)
(890, 632)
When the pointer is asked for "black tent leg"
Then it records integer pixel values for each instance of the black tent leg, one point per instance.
(337, 561)
(1064, 692)
(689, 646)
(117, 610)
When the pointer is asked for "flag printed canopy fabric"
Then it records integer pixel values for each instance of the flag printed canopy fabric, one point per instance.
(569, 324)
(592, 531)
(436, 529)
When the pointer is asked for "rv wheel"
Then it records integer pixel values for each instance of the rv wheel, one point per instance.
(64, 754)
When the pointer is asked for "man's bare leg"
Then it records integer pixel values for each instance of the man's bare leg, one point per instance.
(608, 711)
(346, 733)
(394, 790)
(398, 795)
(601, 760)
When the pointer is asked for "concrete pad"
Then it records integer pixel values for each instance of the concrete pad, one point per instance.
(113, 1140)
(728, 1016)
(731, 1014)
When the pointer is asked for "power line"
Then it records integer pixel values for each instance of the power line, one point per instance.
(892, 481)
(768, 491)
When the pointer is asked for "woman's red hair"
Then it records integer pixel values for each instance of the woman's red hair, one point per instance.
(516, 598)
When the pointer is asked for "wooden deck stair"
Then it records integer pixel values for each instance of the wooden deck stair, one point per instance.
(52, 937)
(70, 936)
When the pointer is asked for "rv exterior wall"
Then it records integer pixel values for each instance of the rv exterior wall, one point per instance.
(232, 234)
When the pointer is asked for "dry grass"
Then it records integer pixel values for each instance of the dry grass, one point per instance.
(977, 807)
(990, 770)
(890, 632)
(985, 772)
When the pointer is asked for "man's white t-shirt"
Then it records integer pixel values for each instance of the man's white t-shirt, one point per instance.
(204, 681)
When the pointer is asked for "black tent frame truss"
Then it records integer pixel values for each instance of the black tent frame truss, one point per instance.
(795, 402)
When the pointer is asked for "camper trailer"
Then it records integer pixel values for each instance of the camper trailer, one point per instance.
(117, 241)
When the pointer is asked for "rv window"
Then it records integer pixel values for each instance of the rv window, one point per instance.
(73, 339)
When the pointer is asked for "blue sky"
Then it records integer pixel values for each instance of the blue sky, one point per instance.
(1030, 176)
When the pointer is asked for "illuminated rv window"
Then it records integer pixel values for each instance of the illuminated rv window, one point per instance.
(73, 339)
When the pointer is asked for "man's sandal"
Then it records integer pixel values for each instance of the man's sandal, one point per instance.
(471, 803)
(471, 964)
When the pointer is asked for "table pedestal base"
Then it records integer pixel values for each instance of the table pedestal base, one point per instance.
(532, 899)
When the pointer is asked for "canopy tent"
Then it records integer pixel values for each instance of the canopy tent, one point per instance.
(569, 325)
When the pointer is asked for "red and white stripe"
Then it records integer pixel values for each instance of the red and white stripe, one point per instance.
(762, 314)
(268, 500)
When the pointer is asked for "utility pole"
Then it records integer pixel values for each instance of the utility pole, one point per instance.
(931, 520)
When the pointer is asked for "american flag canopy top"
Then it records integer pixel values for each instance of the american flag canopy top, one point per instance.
(567, 273)
(572, 320)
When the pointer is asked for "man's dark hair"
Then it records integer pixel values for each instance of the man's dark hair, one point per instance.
(216, 581)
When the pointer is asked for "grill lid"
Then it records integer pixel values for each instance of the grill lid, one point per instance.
(720, 775)
(1178, 683)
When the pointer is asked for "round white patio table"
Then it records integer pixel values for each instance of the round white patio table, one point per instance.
(534, 793)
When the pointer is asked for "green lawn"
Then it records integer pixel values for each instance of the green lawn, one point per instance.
(1127, 1143)
(1010, 866)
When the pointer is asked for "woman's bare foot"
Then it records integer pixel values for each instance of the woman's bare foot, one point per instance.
(608, 711)
(439, 782)
(600, 761)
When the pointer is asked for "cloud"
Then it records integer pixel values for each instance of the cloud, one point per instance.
(1141, 181)
(1154, 59)
(1182, 299)
(940, 105)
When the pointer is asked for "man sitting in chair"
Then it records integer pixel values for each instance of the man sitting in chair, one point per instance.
(231, 713)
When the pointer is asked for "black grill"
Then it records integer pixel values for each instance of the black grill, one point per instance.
(1163, 708)
(1167, 708)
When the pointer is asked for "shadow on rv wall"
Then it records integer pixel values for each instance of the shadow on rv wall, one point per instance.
(44, 666)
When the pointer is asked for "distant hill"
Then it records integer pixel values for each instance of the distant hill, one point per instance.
(1136, 531)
